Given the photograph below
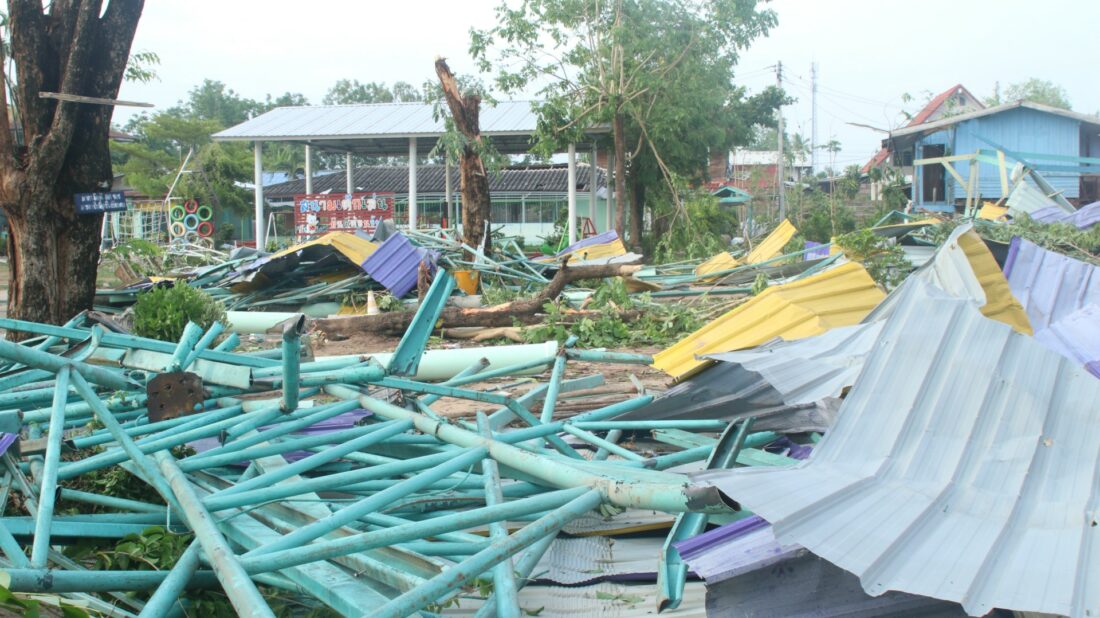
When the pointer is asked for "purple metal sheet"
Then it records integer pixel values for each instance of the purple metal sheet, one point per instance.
(735, 549)
(815, 251)
(1084, 218)
(6, 440)
(598, 239)
(395, 264)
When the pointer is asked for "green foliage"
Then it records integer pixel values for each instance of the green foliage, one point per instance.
(23, 605)
(821, 217)
(1035, 90)
(884, 260)
(759, 284)
(655, 324)
(347, 91)
(698, 232)
(155, 549)
(497, 293)
(163, 312)
(1064, 238)
(140, 67)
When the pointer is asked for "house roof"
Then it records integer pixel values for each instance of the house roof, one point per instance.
(430, 179)
(765, 157)
(921, 117)
(936, 125)
(384, 129)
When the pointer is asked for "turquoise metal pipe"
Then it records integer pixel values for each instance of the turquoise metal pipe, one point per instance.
(552, 389)
(341, 480)
(137, 427)
(65, 581)
(52, 363)
(353, 375)
(194, 463)
(353, 512)
(292, 360)
(524, 567)
(334, 548)
(230, 343)
(671, 494)
(242, 593)
(48, 492)
(207, 427)
(687, 424)
(612, 437)
(191, 334)
(203, 344)
(385, 430)
(615, 409)
(477, 367)
(11, 548)
(502, 416)
(308, 416)
(460, 574)
(123, 504)
(602, 356)
(602, 444)
(504, 579)
(21, 399)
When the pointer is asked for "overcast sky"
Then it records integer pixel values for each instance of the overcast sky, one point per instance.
(868, 52)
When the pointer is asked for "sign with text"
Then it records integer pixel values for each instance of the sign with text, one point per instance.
(94, 203)
(321, 213)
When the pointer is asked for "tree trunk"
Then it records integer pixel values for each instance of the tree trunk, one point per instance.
(620, 173)
(637, 213)
(474, 181)
(76, 47)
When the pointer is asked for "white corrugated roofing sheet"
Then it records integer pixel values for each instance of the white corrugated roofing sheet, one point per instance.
(964, 466)
(374, 120)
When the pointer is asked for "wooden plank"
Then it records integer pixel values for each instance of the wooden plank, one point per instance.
(1004, 173)
(76, 98)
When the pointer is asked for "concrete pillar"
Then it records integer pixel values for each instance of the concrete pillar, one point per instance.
(572, 193)
(309, 169)
(448, 197)
(258, 154)
(349, 174)
(592, 186)
(412, 183)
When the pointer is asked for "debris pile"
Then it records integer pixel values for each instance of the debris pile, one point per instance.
(929, 448)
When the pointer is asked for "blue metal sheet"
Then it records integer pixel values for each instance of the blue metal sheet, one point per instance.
(1084, 218)
(396, 262)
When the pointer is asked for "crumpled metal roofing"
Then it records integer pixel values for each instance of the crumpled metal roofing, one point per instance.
(352, 247)
(838, 297)
(1084, 218)
(964, 466)
(1077, 337)
(766, 249)
(964, 267)
(396, 262)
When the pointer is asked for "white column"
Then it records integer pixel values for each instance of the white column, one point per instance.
(611, 197)
(452, 210)
(592, 187)
(412, 183)
(572, 193)
(309, 169)
(258, 154)
(349, 173)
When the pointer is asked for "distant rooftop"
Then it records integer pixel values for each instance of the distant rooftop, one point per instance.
(764, 157)
(384, 129)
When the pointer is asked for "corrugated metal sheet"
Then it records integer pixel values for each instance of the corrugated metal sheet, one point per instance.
(376, 119)
(584, 560)
(354, 248)
(964, 466)
(773, 244)
(1049, 285)
(733, 549)
(1026, 199)
(815, 250)
(1077, 337)
(432, 178)
(395, 264)
(601, 248)
(965, 268)
(810, 306)
(1084, 218)
(718, 263)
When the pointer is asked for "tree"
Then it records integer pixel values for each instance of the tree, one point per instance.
(348, 91)
(621, 63)
(474, 179)
(1035, 90)
(77, 47)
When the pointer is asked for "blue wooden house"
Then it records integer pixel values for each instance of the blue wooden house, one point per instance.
(1062, 145)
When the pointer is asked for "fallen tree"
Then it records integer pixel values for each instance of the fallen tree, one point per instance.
(523, 311)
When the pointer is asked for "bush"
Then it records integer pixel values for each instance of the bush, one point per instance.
(163, 312)
(699, 233)
(884, 260)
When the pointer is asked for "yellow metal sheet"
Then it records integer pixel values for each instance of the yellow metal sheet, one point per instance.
(1000, 303)
(992, 212)
(810, 306)
(599, 252)
(721, 262)
(354, 248)
(773, 244)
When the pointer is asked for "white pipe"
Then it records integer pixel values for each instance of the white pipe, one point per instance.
(446, 364)
(412, 183)
(258, 154)
(572, 193)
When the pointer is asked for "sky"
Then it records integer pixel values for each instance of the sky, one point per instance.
(869, 53)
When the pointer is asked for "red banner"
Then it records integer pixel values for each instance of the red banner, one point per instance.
(321, 213)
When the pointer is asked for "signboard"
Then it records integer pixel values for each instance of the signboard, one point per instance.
(321, 213)
(95, 203)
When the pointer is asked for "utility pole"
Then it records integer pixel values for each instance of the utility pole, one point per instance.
(813, 118)
(780, 172)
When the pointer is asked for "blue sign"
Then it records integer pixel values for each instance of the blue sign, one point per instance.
(93, 203)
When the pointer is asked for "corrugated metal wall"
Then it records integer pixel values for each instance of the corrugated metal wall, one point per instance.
(1021, 130)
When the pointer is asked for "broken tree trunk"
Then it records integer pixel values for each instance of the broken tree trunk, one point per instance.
(474, 181)
(73, 48)
(523, 311)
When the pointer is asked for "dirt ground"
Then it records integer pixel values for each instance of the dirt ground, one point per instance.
(618, 384)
